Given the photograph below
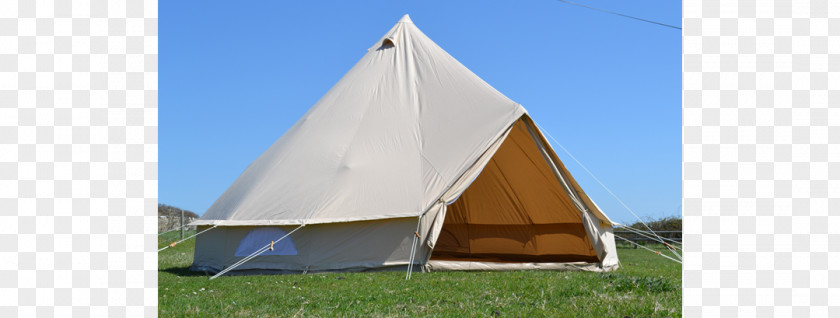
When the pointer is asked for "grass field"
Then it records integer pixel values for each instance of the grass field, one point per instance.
(646, 285)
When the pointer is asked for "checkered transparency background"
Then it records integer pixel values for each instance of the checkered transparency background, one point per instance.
(761, 129)
(78, 158)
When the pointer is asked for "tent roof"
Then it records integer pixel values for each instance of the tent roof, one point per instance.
(386, 141)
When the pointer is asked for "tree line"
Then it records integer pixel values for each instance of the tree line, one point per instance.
(670, 223)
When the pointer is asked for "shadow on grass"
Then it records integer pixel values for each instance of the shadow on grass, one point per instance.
(185, 272)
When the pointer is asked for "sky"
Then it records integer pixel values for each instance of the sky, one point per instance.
(234, 76)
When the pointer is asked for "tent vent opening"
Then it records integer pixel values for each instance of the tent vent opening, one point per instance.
(386, 44)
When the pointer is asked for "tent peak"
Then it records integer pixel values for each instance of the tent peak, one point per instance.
(390, 39)
(405, 19)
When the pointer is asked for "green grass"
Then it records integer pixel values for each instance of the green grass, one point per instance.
(646, 285)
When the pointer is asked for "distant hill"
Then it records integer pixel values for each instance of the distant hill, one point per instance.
(169, 217)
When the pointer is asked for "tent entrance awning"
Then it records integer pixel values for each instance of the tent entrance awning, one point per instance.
(516, 210)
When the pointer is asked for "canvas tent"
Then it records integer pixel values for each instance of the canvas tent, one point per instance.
(409, 158)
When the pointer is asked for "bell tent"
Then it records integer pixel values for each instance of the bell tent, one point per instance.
(409, 159)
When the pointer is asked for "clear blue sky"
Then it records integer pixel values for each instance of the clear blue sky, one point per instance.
(234, 76)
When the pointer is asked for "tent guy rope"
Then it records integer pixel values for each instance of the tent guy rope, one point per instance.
(256, 253)
(670, 247)
(194, 235)
(666, 244)
(413, 249)
(656, 237)
(650, 237)
(642, 233)
(635, 230)
(644, 247)
(602, 184)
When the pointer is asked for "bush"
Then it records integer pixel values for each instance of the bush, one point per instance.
(169, 217)
(671, 223)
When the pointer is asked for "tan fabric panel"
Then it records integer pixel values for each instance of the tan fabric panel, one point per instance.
(515, 210)
(516, 187)
(562, 242)
(590, 205)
